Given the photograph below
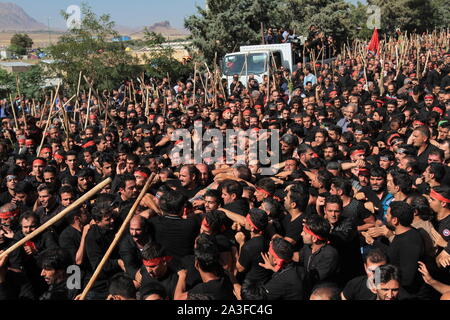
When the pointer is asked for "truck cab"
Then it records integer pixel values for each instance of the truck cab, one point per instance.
(257, 61)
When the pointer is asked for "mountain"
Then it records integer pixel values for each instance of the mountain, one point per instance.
(163, 27)
(14, 18)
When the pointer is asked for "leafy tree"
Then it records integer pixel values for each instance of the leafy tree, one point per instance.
(90, 50)
(7, 83)
(20, 42)
(227, 24)
(160, 61)
(408, 15)
(441, 13)
(359, 19)
(331, 16)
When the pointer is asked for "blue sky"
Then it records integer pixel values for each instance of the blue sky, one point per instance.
(130, 13)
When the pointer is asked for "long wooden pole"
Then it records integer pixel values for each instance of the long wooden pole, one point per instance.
(117, 237)
(78, 92)
(58, 217)
(14, 112)
(48, 121)
(88, 108)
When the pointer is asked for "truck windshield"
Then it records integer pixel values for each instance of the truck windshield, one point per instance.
(235, 64)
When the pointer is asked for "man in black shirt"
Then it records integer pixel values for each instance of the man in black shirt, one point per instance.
(407, 247)
(440, 203)
(54, 263)
(287, 282)
(175, 234)
(49, 205)
(156, 267)
(343, 237)
(359, 288)
(190, 181)
(232, 197)
(98, 240)
(215, 282)
(295, 204)
(420, 139)
(72, 239)
(128, 191)
(8, 195)
(320, 260)
(250, 250)
(133, 243)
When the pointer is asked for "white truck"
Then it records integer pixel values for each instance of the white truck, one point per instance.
(256, 60)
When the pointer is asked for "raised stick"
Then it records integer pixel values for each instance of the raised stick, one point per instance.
(48, 121)
(14, 112)
(117, 237)
(58, 217)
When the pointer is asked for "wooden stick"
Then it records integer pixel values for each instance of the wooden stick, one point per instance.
(14, 112)
(78, 93)
(195, 73)
(88, 108)
(48, 121)
(117, 237)
(58, 217)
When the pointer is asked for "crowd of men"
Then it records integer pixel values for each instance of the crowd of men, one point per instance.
(358, 209)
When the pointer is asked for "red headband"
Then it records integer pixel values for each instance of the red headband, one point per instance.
(156, 261)
(419, 123)
(358, 152)
(207, 227)
(44, 150)
(279, 262)
(438, 110)
(429, 96)
(58, 156)
(268, 194)
(142, 174)
(39, 161)
(9, 214)
(22, 141)
(88, 144)
(392, 137)
(246, 112)
(439, 197)
(29, 142)
(308, 231)
(250, 222)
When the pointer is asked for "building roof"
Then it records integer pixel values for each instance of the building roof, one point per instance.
(15, 64)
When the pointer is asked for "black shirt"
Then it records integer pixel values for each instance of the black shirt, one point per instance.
(250, 257)
(175, 234)
(168, 281)
(70, 240)
(356, 211)
(286, 284)
(357, 289)
(239, 206)
(443, 228)
(422, 159)
(98, 241)
(293, 229)
(219, 289)
(404, 252)
(320, 266)
(344, 237)
(130, 254)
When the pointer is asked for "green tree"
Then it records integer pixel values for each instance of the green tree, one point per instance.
(90, 50)
(160, 61)
(227, 24)
(408, 15)
(20, 42)
(359, 17)
(441, 13)
(7, 83)
(331, 16)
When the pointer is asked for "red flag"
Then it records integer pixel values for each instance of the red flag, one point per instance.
(374, 44)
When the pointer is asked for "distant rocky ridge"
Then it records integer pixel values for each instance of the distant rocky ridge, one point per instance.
(14, 18)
